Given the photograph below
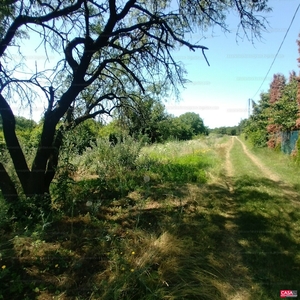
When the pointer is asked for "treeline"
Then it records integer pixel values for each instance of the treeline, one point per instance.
(277, 111)
(228, 130)
(155, 126)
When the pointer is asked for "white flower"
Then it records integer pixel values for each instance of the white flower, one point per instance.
(89, 203)
(146, 178)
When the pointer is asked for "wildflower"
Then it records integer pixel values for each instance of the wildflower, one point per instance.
(89, 203)
(56, 266)
(132, 252)
(3, 267)
(131, 270)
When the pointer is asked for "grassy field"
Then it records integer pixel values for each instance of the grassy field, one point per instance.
(187, 220)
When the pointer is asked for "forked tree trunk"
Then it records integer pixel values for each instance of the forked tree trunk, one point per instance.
(7, 187)
(35, 182)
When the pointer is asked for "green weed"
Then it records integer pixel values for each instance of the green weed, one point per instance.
(160, 223)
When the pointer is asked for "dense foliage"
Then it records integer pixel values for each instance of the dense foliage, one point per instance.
(276, 112)
(156, 125)
(229, 130)
(277, 115)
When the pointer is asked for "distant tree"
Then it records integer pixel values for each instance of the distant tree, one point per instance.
(143, 118)
(285, 109)
(186, 126)
(241, 126)
(228, 130)
(193, 123)
(83, 136)
(255, 128)
(292, 76)
(276, 87)
(232, 131)
(298, 43)
(22, 123)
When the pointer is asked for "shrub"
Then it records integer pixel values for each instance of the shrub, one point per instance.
(296, 152)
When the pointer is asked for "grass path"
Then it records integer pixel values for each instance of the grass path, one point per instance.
(265, 171)
(262, 226)
(286, 188)
(238, 276)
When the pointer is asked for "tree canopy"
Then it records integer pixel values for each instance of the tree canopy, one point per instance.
(108, 54)
(277, 111)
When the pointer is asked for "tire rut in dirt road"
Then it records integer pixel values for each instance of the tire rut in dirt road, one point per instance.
(241, 284)
(238, 277)
(228, 166)
(286, 188)
(265, 171)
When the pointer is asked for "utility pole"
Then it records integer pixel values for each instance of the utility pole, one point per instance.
(249, 100)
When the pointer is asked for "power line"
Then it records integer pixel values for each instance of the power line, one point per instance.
(278, 51)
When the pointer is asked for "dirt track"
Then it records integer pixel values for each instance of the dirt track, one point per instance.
(265, 171)
(232, 237)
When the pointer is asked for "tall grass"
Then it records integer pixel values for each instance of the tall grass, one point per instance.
(128, 233)
(159, 222)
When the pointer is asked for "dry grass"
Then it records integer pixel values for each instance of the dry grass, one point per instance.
(165, 239)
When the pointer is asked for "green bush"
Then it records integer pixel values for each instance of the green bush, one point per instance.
(296, 153)
(105, 159)
(4, 220)
(258, 138)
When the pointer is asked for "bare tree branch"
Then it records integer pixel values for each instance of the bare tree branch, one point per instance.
(22, 20)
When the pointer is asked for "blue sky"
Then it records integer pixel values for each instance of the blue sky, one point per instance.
(220, 93)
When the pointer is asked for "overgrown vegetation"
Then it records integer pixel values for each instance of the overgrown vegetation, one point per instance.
(228, 130)
(107, 58)
(92, 211)
(156, 222)
(112, 203)
(276, 115)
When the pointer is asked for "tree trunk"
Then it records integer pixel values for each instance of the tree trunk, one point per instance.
(36, 182)
(7, 187)
(13, 145)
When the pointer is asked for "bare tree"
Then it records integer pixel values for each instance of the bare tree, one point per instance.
(109, 50)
